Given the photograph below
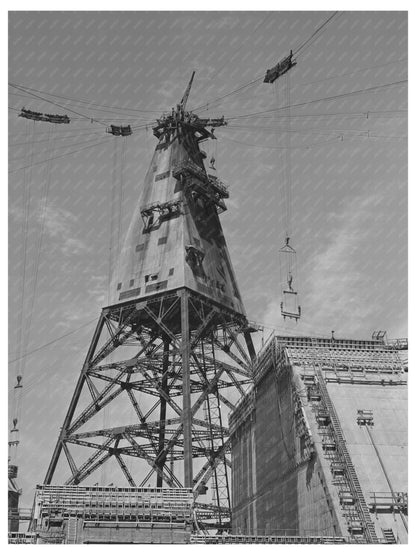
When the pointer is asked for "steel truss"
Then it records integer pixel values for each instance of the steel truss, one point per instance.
(188, 363)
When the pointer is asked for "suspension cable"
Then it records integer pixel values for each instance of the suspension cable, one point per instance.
(314, 36)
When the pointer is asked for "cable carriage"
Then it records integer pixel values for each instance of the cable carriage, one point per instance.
(29, 114)
(279, 69)
(48, 118)
(55, 118)
(289, 306)
(120, 130)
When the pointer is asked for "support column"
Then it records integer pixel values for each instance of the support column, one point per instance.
(74, 401)
(186, 391)
(162, 412)
(250, 346)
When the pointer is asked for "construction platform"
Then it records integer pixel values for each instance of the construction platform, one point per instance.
(319, 440)
(92, 514)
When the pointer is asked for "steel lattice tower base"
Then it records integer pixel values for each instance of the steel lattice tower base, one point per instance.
(189, 367)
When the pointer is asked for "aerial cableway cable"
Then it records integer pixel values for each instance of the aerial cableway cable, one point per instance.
(45, 345)
(21, 323)
(26, 332)
(390, 114)
(231, 93)
(240, 88)
(116, 208)
(367, 114)
(314, 35)
(60, 156)
(59, 138)
(92, 106)
(297, 50)
(349, 73)
(57, 104)
(26, 200)
(38, 378)
(337, 132)
(316, 100)
(112, 216)
(56, 148)
(295, 147)
(247, 41)
(90, 117)
(72, 133)
(316, 144)
(83, 116)
(88, 102)
(287, 254)
(76, 129)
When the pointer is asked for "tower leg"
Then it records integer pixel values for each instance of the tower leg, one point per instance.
(74, 401)
(186, 381)
(250, 346)
(162, 412)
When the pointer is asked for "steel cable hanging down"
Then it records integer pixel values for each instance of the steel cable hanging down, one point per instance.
(28, 300)
(287, 255)
(21, 324)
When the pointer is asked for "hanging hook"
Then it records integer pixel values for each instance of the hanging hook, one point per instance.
(290, 280)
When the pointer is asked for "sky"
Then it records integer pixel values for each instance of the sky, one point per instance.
(341, 157)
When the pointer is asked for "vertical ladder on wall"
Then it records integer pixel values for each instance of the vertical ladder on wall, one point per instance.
(362, 507)
(220, 483)
(71, 535)
(389, 535)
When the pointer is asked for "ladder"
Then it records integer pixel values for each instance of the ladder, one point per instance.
(220, 482)
(362, 507)
(71, 534)
(389, 535)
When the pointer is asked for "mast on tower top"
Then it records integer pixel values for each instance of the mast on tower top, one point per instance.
(179, 119)
(187, 91)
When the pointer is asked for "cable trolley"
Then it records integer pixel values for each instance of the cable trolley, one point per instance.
(39, 116)
(120, 130)
(279, 69)
(289, 306)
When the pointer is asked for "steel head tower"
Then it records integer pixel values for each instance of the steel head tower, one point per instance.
(174, 343)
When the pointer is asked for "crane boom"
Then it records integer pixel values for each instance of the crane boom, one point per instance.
(187, 91)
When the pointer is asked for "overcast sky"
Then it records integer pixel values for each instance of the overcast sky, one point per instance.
(348, 174)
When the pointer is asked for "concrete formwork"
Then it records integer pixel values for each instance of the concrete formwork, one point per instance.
(304, 462)
(13, 500)
(378, 451)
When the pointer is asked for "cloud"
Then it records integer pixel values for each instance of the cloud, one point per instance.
(87, 301)
(226, 22)
(335, 282)
(98, 290)
(334, 293)
(16, 214)
(57, 220)
(62, 225)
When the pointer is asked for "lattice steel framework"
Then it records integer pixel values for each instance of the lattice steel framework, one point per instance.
(174, 342)
(189, 358)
